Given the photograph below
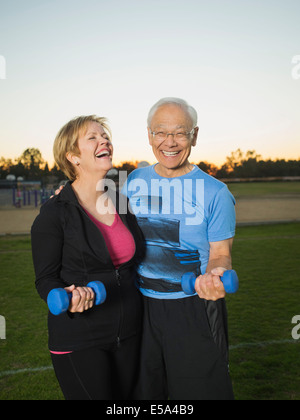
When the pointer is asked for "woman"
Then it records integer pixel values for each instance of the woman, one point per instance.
(94, 349)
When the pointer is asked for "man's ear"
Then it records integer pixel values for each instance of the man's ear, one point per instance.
(150, 138)
(195, 136)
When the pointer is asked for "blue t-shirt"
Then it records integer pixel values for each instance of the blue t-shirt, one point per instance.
(179, 217)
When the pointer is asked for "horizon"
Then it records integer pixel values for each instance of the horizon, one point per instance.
(135, 162)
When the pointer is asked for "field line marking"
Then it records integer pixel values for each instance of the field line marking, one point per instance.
(28, 370)
(237, 346)
(263, 344)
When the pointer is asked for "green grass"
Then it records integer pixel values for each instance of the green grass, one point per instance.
(264, 360)
(266, 258)
(259, 189)
(25, 346)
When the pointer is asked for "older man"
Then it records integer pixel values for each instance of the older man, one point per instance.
(188, 221)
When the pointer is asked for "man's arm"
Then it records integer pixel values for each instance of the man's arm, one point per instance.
(209, 286)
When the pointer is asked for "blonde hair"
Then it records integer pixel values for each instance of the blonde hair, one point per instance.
(66, 142)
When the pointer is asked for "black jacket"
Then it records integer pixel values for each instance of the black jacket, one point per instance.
(68, 248)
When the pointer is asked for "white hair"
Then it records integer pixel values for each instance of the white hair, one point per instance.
(174, 101)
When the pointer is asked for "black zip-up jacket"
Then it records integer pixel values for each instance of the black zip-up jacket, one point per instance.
(68, 248)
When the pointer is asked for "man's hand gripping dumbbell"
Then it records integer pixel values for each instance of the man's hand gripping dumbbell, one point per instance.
(211, 286)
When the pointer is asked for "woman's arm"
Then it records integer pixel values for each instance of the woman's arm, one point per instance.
(47, 244)
(47, 239)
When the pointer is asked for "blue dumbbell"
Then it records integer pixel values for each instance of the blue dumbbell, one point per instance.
(59, 300)
(229, 279)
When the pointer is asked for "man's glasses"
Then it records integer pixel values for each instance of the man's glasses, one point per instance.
(162, 136)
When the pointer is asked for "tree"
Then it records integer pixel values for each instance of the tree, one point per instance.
(234, 160)
(5, 165)
(241, 165)
(209, 168)
(31, 158)
(126, 166)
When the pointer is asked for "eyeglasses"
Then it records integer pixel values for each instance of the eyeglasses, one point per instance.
(162, 136)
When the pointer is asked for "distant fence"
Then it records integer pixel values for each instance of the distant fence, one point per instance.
(22, 197)
(29, 195)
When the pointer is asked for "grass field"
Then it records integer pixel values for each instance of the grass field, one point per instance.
(264, 359)
(264, 188)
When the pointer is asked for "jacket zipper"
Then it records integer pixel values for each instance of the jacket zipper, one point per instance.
(118, 277)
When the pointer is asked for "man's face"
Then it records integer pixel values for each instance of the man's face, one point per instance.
(172, 152)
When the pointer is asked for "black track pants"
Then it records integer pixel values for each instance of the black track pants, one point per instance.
(179, 358)
(95, 374)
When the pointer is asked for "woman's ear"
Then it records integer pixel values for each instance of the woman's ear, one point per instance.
(73, 159)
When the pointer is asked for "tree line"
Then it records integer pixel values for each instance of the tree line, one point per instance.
(32, 167)
(251, 165)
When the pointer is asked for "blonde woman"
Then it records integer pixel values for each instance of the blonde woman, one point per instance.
(94, 349)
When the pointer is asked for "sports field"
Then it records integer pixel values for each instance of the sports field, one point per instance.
(264, 358)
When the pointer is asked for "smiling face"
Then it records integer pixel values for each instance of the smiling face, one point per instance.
(172, 152)
(95, 149)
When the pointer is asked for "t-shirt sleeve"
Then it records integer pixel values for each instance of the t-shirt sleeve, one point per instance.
(222, 220)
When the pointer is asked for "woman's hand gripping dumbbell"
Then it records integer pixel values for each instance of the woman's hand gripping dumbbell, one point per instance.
(59, 300)
(229, 279)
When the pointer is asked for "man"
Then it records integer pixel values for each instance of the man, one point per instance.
(188, 221)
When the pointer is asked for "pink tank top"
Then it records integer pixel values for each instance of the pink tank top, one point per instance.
(119, 241)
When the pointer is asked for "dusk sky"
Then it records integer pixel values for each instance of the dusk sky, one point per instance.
(235, 61)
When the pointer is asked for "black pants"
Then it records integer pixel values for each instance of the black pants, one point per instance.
(96, 374)
(179, 358)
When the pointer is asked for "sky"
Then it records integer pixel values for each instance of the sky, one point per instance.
(234, 61)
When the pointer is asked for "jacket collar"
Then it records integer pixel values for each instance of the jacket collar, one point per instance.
(68, 195)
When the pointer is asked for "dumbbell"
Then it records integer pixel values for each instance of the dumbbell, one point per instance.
(59, 300)
(229, 279)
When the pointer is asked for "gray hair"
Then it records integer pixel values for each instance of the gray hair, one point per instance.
(174, 101)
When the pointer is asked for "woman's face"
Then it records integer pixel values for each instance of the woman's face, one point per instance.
(96, 150)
